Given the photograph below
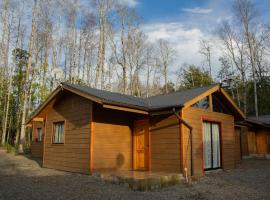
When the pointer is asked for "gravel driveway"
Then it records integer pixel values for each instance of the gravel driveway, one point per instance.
(23, 178)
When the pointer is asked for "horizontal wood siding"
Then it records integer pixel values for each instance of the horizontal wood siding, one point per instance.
(194, 117)
(73, 155)
(37, 147)
(112, 139)
(165, 144)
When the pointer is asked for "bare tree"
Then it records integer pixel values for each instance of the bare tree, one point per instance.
(247, 14)
(164, 59)
(27, 86)
(234, 49)
(206, 51)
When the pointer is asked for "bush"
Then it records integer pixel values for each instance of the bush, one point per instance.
(26, 148)
(12, 149)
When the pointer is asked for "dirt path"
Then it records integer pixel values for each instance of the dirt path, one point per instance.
(23, 178)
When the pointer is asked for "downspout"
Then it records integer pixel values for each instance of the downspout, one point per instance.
(182, 121)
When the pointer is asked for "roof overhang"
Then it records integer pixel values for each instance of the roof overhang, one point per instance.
(215, 88)
(106, 104)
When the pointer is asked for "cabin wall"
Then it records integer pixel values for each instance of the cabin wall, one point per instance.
(255, 140)
(165, 144)
(195, 116)
(112, 139)
(262, 141)
(237, 145)
(244, 142)
(37, 147)
(251, 139)
(73, 155)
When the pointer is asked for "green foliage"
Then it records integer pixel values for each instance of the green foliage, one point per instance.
(170, 87)
(12, 149)
(263, 89)
(192, 76)
(27, 148)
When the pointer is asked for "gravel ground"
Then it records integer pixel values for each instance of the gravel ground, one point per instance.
(23, 178)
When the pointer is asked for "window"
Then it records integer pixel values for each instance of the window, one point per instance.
(39, 134)
(58, 133)
(203, 104)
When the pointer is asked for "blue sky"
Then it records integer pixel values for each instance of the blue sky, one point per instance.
(185, 22)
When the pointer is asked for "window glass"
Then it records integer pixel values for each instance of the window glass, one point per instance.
(39, 134)
(58, 129)
(203, 103)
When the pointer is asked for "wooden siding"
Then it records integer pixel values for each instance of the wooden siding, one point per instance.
(251, 141)
(237, 145)
(165, 144)
(195, 117)
(37, 147)
(244, 141)
(262, 141)
(73, 155)
(112, 139)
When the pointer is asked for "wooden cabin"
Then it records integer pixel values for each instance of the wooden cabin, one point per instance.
(255, 137)
(81, 129)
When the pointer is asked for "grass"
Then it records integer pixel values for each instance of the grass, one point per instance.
(15, 148)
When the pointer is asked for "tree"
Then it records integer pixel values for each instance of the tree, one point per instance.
(234, 52)
(164, 59)
(168, 88)
(206, 51)
(27, 79)
(246, 15)
(191, 76)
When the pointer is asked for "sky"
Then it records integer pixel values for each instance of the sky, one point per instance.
(185, 22)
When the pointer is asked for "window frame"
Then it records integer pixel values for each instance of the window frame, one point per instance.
(53, 132)
(198, 103)
(37, 136)
(220, 124)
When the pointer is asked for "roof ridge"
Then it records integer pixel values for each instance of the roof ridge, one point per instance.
(134, 98)
(184, 89)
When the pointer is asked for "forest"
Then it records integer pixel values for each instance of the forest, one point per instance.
(101, 44)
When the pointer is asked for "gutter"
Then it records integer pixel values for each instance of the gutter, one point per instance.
(190, 135)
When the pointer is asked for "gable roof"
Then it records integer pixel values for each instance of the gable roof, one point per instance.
(110, 97)
(180, 97)
(175, 99)
(263, 120)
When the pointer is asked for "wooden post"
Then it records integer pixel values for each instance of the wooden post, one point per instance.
(210, 103)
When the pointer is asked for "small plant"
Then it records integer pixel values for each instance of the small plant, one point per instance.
(26, 148)
(8, 147)
(11, 149)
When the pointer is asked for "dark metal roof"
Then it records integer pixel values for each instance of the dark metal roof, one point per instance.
(263, 119)
(177, 98)
(174, 99)
(110, 97)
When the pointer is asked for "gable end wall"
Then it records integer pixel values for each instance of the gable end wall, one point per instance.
(73, 155)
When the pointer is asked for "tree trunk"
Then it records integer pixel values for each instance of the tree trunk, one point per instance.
(26, 92)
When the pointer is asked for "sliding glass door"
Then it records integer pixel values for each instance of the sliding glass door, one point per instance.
(211, 145)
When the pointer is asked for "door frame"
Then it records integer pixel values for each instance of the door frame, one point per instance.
(213, 121)
(147, 145)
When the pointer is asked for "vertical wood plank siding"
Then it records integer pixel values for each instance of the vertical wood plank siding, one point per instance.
(262, 141)
(255, 141)
(237, 145)
(73, 155)
(112, 139)
(37, 147)
(165, 144)
(194, 117)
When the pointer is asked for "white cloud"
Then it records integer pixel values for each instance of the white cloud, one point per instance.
(197, 10)
(185, 41)
(129, 3)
